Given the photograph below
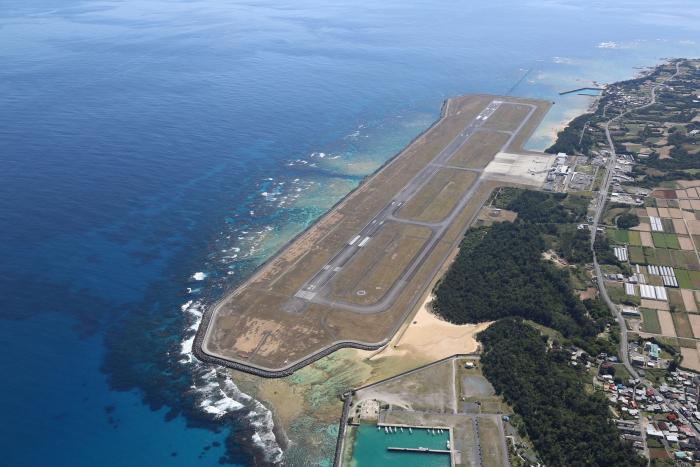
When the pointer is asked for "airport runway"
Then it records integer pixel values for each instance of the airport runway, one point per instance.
(316, 289)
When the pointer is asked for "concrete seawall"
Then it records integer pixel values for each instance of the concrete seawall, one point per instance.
(279, 364)
(208, 313)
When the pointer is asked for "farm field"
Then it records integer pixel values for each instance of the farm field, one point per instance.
(665, 240)
(688, 279)
(630, 237)
(650, 321)
(678, 318)
(682, 324)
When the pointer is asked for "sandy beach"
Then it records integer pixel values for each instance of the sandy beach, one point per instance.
(429, 337)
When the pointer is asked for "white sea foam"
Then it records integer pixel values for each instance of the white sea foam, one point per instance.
(216, 394)
(264, 435)
(219, 395)
(221, 406)
(186, 350)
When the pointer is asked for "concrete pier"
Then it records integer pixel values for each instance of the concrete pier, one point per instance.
(428, 450)
(588, 88)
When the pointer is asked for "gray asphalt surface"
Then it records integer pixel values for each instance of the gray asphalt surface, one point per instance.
(602, 197)
(316, 289)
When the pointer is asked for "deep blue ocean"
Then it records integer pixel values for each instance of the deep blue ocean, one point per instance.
(153, 152)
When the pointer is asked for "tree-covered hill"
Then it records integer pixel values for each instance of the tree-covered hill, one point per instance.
(567, 426)
(505, 275)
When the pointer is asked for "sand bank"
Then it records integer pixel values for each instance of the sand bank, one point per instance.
(429, 337)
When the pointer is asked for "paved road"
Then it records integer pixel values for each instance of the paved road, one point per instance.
(504, 442)
(316, 289)
(602, 197)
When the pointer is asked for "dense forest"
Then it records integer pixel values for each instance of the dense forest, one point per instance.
(566, 425)
(569, 138)
(575, 245)
(499, 271)
(505, 275)
(627, 220)
(547, 208)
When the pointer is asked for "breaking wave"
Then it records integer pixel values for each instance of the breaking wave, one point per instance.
(218, 395)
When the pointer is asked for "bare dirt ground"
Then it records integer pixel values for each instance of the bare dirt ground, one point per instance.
(676, 214)
(647, 240)
(691, 359)
(693, 226)
(642, 227)
(679, 224)
(552, 256)
(489, 215)
(429, 389)
(694, 323)
(666, 321)
(690, 306)
(588, 294)
(655, 304)
(686, 243)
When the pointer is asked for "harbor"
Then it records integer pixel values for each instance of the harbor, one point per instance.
(404, 445)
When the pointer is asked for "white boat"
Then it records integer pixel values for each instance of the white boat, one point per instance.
(401, 429)
(378, 427)
(386, 430)
(410, 431)
(448, 444)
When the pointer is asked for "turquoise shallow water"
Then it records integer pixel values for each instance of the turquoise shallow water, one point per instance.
(370, 448)
(153, 153)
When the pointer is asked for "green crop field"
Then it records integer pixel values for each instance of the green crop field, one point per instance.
(685, 259)
(688, 279)
(665, 240)
(618, 236)
(635, 238)
(636, 255)
(676, 299)
(657, 256)
(650, 321)
(682, 324)
(630, 237)
(668, 225)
